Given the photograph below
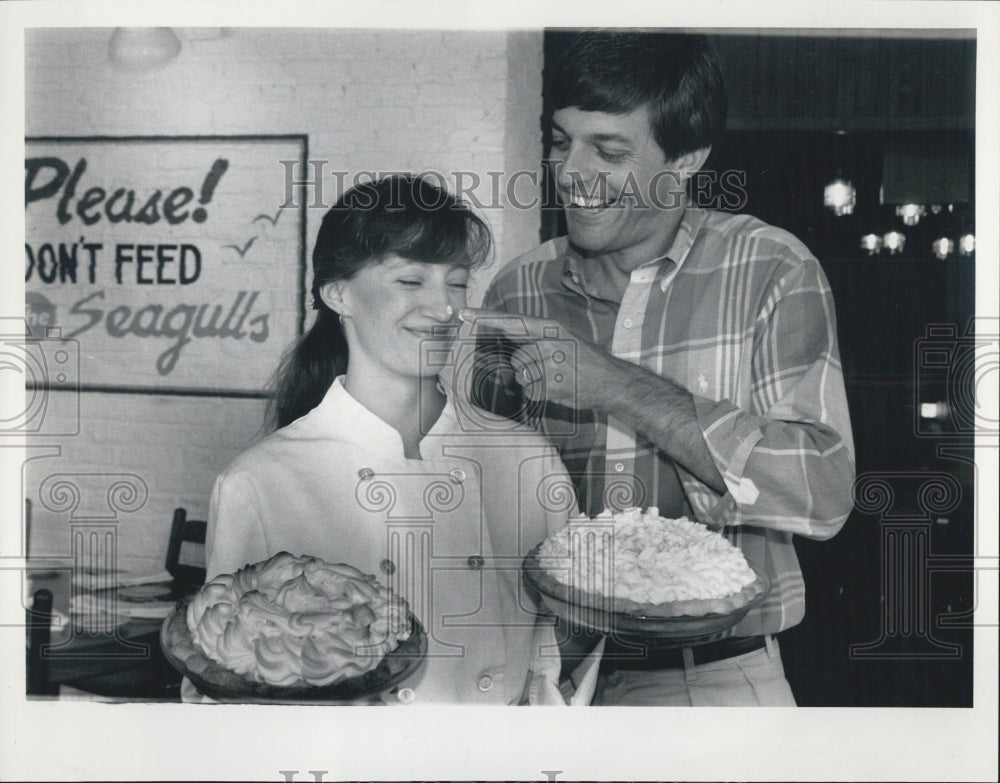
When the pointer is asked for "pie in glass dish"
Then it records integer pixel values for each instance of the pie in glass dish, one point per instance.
(637, 572)
(293, 628)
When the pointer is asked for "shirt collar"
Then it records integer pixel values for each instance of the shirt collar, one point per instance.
(691, 223)
(573, 277)
(572, 267)
(342, 413)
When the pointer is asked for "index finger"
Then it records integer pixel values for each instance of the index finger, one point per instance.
(511, 324)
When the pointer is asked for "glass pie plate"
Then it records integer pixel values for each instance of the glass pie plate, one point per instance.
(682, 621)
(221, 684)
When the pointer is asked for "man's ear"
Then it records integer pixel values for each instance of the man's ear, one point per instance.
(332, 294)
(690, 163)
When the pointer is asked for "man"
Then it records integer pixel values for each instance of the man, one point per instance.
(705, 377)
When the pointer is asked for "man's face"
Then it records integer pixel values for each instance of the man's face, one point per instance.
(614, 181)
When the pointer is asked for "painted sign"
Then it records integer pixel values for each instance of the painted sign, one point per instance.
(176, 263)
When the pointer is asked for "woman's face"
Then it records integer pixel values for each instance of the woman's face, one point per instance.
(394, 308)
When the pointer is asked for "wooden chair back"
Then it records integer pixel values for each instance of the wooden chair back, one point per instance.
(186, 551)
(39, 622)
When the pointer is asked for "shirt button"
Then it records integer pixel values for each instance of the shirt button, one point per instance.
(619, 467)
(627, 323)
(475, 562)
(388, 566)
(485, 683)
(406, 696)
(457, 476)
(365, 474)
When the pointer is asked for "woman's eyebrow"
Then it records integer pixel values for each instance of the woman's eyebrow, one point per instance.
(399, 262)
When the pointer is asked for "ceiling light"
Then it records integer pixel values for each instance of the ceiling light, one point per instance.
(142, 48)
(872, 243)
(911, 213)
(967, 244)
(840, 196)
(942, 247)
(933, 410)
(894, 241)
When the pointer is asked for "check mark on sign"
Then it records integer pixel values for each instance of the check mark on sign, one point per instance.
(242, 250)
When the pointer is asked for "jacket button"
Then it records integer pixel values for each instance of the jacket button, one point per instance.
(485, 683)
(457, 476)
(475, 562)
(365, 474)
(387, 566)
(406, 696)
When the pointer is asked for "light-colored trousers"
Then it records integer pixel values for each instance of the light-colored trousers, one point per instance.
(754, 679)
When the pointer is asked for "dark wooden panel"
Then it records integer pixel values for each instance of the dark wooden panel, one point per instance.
(838, 83)
(884, 307)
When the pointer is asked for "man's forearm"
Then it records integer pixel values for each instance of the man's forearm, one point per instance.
(664, 413)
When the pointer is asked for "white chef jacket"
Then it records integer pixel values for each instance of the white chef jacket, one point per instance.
(448, 532)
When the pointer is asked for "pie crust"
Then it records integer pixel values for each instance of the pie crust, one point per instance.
(681, 561)
(690, 607)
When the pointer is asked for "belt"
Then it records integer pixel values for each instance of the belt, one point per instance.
(618, 657)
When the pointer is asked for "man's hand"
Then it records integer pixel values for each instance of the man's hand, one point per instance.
(551, 364)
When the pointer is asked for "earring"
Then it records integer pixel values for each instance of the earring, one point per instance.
(341, 319)
(312, 303)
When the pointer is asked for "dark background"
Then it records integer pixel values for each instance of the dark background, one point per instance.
(887, 597)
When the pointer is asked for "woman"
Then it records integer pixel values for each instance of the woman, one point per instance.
(373, 467)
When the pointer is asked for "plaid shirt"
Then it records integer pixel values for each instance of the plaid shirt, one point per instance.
(740, 314)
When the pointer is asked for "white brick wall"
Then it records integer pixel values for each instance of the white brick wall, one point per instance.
(368, 100)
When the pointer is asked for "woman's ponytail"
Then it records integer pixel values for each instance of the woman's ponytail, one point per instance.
(308, 369)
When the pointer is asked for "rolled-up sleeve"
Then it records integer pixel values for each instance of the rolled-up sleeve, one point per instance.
(787, 454)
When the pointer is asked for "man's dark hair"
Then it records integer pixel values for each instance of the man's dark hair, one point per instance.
(676, 75)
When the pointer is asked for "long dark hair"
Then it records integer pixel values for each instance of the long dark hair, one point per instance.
(401, 215)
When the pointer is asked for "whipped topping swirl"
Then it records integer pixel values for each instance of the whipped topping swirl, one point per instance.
(292, 620)
(642, 557)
